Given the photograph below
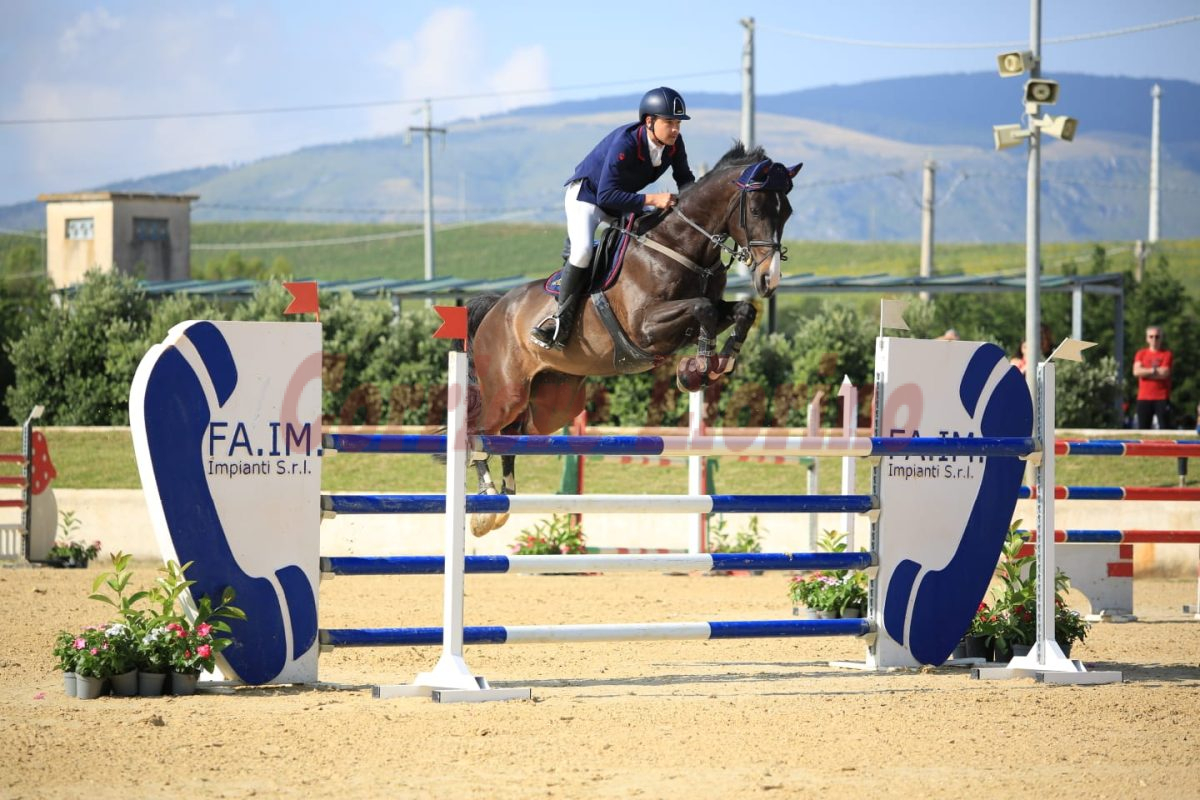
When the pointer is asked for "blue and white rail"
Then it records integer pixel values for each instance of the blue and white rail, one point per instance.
(857, 446)
(605, 562)
(625, 632)
(600, 504)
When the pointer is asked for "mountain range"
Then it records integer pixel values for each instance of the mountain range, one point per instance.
(863, 147)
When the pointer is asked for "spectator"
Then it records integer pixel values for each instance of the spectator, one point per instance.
(1152, 368)
(1021, 362)
(950, 335)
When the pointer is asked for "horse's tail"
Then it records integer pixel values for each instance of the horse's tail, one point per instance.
(477, 309)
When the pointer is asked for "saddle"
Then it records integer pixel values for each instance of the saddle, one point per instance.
(607, 257)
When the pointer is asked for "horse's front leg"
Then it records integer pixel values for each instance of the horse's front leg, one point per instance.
(678, 323)
(741, 315)
(693, 374)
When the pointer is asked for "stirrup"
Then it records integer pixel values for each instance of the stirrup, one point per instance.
(547, 341)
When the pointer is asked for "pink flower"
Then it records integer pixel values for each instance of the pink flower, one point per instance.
(204, 651)
(94, 651)
(80, 643)
(187, 653)
(203, 629)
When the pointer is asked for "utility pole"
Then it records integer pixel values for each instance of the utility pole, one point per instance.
(428, 130)
(1155, 163)
(748, 83)
(927, 223)
(1033, 266)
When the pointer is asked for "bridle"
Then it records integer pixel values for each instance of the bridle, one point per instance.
(765, 176)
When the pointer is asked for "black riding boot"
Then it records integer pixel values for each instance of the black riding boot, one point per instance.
(554, 331)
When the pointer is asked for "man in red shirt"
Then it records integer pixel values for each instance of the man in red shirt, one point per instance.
(1152, 368)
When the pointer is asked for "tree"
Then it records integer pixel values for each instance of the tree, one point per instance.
(24, 300)
(72, 360)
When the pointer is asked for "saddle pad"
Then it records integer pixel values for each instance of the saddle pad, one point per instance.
(605, 256)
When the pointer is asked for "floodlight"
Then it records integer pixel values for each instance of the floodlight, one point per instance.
(1007, 136)
(1060, 127)
(1041, 91)
(1014, 64)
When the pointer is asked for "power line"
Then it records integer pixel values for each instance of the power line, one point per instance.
(979, 45)
(342, 106)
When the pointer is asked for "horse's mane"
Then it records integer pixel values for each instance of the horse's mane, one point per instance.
(736, 156)
(739, 156)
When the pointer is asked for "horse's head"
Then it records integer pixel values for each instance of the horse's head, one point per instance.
(757, 227)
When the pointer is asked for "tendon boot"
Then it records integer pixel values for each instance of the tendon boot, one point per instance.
(553, 332)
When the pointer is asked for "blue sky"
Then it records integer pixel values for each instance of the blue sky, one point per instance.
(72, 60)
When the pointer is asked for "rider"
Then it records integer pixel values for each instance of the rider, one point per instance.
(607, 183)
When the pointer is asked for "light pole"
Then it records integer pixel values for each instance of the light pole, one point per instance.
(1038, 92)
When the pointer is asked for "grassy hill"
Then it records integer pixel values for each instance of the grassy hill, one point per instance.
(351, 251)
(502, 250)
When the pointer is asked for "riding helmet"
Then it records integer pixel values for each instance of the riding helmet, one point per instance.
(663, 102)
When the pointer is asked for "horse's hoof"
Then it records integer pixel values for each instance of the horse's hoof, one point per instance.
(482, 524)
(500, 520)
(689, 377)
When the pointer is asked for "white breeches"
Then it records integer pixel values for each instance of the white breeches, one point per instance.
(582, 219)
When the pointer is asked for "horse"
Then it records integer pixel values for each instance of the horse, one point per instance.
(668, 296)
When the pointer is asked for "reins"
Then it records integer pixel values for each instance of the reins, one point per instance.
(736, 252)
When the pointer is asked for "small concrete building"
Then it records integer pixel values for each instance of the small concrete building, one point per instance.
(147, 235)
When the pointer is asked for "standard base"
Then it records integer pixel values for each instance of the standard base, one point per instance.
(1046, 676)
(451, 682)
(1053, 667)
(1111, 616)
(483, 694)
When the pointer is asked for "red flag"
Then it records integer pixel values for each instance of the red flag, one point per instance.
(304, 299)
(454, 322)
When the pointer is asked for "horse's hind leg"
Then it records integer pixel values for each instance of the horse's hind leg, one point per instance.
(485, 523)
(482, 524)
(508, 485)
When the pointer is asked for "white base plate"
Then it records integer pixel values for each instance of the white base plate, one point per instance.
(450, 695)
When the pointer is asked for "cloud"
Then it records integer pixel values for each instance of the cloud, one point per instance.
(449, 57)
(90, 25)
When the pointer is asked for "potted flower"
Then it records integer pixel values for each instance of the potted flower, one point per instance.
(560, 536)
(66, 655)
(831, 593)
(123, 659)
(1069, 627)
(1014, 628)
(192, 640)
(851, 594)
(193, 646)
(804, 589)
(67, 552)
(154, 660)
(93, 662)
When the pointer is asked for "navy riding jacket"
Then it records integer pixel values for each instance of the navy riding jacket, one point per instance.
(619, 167)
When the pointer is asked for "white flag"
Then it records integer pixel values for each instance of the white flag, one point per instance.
(891, 314)
(1071, 349)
